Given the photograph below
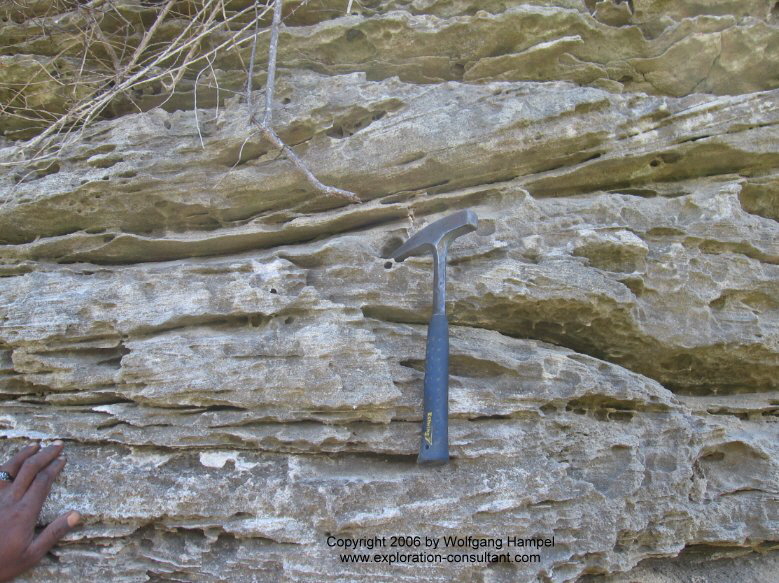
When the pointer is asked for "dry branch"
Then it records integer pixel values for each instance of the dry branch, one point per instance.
(166, 63)
(145, 61)
(265, 126)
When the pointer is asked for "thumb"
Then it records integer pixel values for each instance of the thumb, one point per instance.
(53, 533)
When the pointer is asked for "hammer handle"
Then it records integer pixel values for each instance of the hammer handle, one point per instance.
(434, 445)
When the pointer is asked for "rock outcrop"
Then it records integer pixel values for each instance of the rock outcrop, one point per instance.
(235, 364)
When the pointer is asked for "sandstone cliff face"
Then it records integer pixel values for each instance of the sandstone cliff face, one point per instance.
(236, 366)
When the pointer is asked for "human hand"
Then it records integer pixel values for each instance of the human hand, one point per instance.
(33, 470)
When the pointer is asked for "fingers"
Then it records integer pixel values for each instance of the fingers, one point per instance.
(12, 467)
(51, 534)
(34, 464)
(41, 485)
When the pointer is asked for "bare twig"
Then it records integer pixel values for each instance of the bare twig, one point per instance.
(194, 96)
(195, 47)
(216, 83)
(250, 76)
(271, 136)
(147, 36)
(270, 83)
(265, 125)
(107, 44)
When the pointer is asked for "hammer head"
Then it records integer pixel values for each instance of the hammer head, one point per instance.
(436, 236)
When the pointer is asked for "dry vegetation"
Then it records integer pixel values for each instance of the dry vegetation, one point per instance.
(104, 58)
(72, 62)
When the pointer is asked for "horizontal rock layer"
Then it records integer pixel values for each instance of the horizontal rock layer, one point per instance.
(235, 362)
(635, 46)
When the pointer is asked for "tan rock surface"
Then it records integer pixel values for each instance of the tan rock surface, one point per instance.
(236, 366)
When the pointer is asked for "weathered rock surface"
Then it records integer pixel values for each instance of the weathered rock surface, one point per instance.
(236, 366)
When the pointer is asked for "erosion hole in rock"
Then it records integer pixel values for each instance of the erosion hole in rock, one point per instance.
(616, 415)
(353, 34)
(603, 408)
(39, 171)
(390, 246)
(104, 162)
(635, 285)
(357, 118)
(348, 128)
(257, 320)
(761, 198)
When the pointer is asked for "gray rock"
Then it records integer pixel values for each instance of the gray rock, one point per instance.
(236, 365)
